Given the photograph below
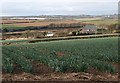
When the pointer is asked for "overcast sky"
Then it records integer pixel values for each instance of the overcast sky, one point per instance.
(58, 7)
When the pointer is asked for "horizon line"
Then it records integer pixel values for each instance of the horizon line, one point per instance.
(60, 15)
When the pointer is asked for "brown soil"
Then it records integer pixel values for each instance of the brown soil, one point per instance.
(59, 53)
(39, 69)
(59, 76)
(42, 72)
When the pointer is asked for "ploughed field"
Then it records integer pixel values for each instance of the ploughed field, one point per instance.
(79, 55)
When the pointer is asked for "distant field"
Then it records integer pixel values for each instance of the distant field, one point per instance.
(11, 27)
(88, 19)
(38, 23)
(4, 21)
(18, 24)
(99, 21)
(66, 55)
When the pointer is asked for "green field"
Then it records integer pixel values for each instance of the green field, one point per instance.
(65, 55)
(101, 21)
(11, 27)
(96, 21)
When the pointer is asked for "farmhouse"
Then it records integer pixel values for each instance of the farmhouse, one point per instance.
(85, 30)
(90, 29)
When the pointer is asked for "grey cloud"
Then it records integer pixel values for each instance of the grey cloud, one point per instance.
(75, 8)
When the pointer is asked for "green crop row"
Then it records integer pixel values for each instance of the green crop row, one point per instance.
(66, 55)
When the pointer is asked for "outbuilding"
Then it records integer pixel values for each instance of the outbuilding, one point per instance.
(49, 34)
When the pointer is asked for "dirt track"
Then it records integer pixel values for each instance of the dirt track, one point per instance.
(59, 77)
